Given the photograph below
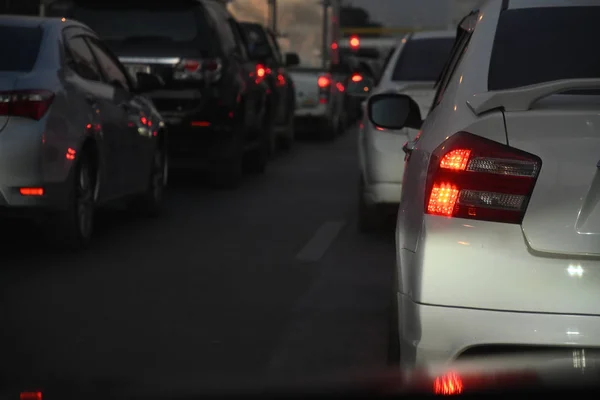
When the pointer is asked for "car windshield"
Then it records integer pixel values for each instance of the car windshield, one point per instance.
(129, 24)
(555, 41)
(422, 59)
(23, 47)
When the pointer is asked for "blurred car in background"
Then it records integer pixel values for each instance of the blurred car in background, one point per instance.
(320, 101)
(412, 69)
(76, 132)
(271, 66)
(213, 104)
(498, 233)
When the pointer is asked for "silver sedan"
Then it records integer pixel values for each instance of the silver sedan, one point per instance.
(75, 133)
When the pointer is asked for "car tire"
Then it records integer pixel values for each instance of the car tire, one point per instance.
(150, 203)
(72, 228)
(226, 172)
(369, 217)
(259, 157)
(286, 142)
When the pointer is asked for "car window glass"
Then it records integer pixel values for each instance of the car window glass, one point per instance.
(554, 41)
(83, 61)
(240, 39)
(422, 59)
(23, 47)
(275, 46)
(112, 71)
(456, 57)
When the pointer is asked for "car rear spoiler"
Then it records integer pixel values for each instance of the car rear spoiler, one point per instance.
(522, 98)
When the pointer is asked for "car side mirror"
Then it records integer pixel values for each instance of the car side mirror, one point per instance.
(292, 59)
(360, 85)
(148, 82)
(394, 111)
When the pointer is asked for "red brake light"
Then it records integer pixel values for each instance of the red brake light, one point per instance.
(476, 178)
(323, 82)
(191, 65)
(30, 396)
(357, 78)
(260, 71)
(448, 384)
(354, 42)
(196, 69)
(25, 103)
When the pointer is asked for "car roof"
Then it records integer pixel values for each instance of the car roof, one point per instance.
(433, 35)
(27, 21)
(515, 4)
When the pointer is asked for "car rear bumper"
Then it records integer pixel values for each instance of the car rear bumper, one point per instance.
(442, 334)
(30, 162)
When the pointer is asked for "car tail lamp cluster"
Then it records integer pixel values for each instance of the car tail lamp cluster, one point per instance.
(194, 69)
(31, 104)
(324, 83)
(476, 178)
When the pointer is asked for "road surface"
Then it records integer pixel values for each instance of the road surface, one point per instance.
(265, 282)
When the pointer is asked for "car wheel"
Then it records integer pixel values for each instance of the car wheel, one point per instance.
(259, 157)
(286, 142)
(150, 203)
(72, 228)
(369, 218)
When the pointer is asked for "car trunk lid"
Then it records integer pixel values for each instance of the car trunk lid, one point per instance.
(563, 214)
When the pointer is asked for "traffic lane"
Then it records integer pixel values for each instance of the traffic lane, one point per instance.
(211, 288)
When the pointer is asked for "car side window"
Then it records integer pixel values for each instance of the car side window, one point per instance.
(111, 68)
(455, 60)
(240, 39)
(276, 50)
(82, 59)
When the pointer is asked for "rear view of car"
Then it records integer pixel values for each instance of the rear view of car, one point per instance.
(413, 69)
(211, 100)
(498, 236)
(74, 132)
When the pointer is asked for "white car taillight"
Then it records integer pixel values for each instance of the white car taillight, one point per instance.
(476, 178)
(196, 69)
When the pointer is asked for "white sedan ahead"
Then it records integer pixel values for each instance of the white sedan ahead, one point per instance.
(412, 69)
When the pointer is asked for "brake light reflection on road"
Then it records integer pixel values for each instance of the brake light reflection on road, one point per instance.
(30, 396)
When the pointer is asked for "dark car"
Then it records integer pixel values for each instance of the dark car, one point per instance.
(271, 65)
(214, 107)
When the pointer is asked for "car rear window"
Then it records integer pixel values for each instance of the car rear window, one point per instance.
(145, 23)
(535, 45)
(422, 59)
(258, 43)
(23, 47)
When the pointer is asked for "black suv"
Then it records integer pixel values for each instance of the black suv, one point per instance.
(271, 65)
(213, 105)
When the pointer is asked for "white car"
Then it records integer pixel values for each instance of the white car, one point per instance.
(413, 68)
(498, 230)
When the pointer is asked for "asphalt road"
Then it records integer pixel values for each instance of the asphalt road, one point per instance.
(265, 282)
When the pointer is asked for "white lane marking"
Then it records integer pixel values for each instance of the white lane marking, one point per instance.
(321, 241)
